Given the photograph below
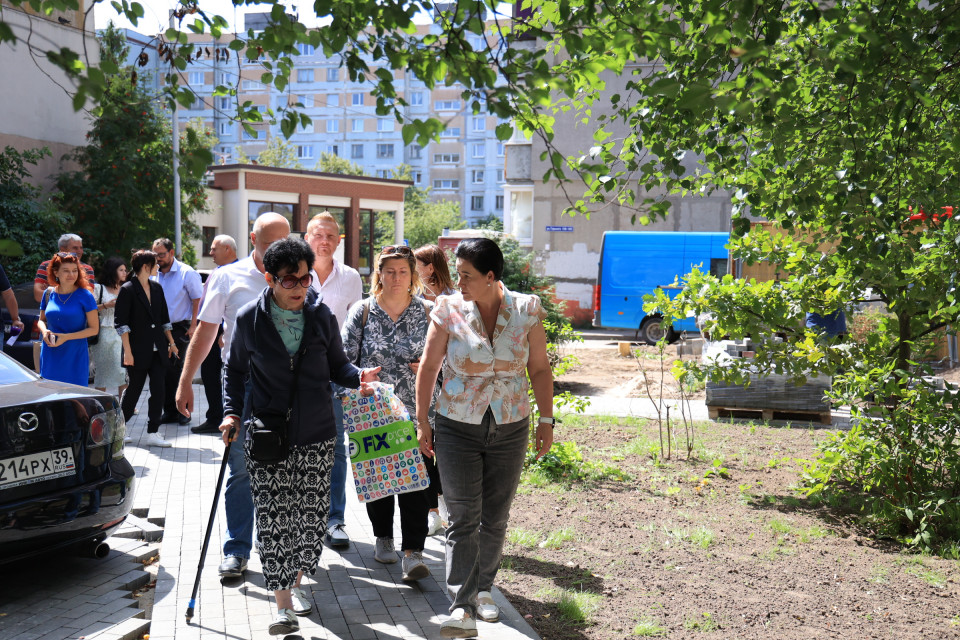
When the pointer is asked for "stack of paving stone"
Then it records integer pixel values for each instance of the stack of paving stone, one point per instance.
(768, 391)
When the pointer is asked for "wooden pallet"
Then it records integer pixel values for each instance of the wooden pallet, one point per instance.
(792, 415)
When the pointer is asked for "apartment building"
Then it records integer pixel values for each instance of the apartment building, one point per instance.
(465, 165)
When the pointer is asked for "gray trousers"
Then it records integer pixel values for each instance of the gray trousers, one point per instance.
(480, 468)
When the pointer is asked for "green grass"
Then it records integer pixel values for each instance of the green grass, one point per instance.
(649, 628)
(702, 537)
(878, 574)
(582, 420)
(523, 537)
(578, 606)
(556, 539)
(703, 623)
(931, 576)
(780, 527)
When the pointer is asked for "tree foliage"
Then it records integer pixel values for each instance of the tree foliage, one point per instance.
(423, 219)
(278, 153)
(121, 198)
(29, 225)
(332, 163)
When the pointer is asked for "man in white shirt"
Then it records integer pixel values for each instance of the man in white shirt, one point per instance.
(182, 289)
(223, 250)
(229, 288)
(339, 287)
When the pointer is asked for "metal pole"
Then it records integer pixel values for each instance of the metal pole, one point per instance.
(176, 170)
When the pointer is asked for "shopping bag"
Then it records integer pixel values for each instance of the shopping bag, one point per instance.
(384, 452)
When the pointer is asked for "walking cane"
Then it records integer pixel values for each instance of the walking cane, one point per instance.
(206, 537)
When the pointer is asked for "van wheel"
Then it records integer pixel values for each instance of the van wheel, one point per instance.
(652, 330)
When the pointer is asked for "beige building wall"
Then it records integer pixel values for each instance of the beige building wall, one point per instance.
(572, 256)
(37, 103)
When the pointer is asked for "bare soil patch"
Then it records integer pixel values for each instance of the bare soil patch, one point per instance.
(602, 371)
(666, 552)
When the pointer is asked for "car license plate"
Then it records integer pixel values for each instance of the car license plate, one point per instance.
(35, 467)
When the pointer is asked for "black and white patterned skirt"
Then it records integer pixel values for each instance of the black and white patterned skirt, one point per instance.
(292, 500)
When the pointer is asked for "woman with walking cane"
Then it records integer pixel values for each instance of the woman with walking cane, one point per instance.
(289, 441)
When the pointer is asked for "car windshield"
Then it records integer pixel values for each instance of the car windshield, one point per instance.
(11, 372)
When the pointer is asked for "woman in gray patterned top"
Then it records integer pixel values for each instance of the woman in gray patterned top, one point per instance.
(393, 338)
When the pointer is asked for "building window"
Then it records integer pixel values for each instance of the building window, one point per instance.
(356, 151)
(224, 155)
(333, 149)
(446, 184)
(479, 123)
(499, 149)
(416, 152)
(450, 132)
(479, 150)
(305, 49)
(333, 74)
(418, 177)
(223, 102)
(385, 124)
(306, 100)
(305, 152)
(446, 105)
(209, 233)
(256, 208)
(446, 158)
(226, 130)
(499, 176)
(196, 78)
(499, 203)
(356, 99)
(198, 104)
(333, 126)
(224, 78)
(333, 99)
(476, 203)
(304, 75)
(258, 134)
(383, 173)
(384, 151)
(416, 99)
(477, 176)
(357, 125)
(252, 85)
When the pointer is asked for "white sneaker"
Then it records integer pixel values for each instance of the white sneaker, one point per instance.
(285, 623)
(337, 536)
(127, 439)
(413, 567)
(301, 604)
(487, 609)
(156, 440)
(460, 624)
(434, 524)
(384, 551)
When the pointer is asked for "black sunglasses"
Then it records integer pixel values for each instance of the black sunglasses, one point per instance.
(289, 282)
(399, 249)
(66, 254)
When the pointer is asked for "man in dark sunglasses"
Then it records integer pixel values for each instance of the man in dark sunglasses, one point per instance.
(339, 287)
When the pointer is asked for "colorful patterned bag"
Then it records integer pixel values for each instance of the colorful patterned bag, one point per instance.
(384, 452)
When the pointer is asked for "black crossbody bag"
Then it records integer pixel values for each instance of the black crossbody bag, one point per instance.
(269, 429)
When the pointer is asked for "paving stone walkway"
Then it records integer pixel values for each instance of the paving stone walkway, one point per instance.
(354, 596)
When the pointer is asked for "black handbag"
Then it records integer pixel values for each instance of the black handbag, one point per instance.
(269, 429)
(92, 340)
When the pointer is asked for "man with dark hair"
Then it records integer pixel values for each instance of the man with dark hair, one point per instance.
(183, 288)
(10, 300)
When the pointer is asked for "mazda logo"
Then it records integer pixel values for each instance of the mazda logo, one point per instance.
(28, 422)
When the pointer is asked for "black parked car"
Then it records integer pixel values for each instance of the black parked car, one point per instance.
(64, 480)
(22, 349)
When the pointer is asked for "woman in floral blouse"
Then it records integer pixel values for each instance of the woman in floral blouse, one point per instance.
(392, 338)
(488, 339)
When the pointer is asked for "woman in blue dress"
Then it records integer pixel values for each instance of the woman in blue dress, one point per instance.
(68, 316)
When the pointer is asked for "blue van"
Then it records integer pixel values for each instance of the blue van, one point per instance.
(635, 263)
